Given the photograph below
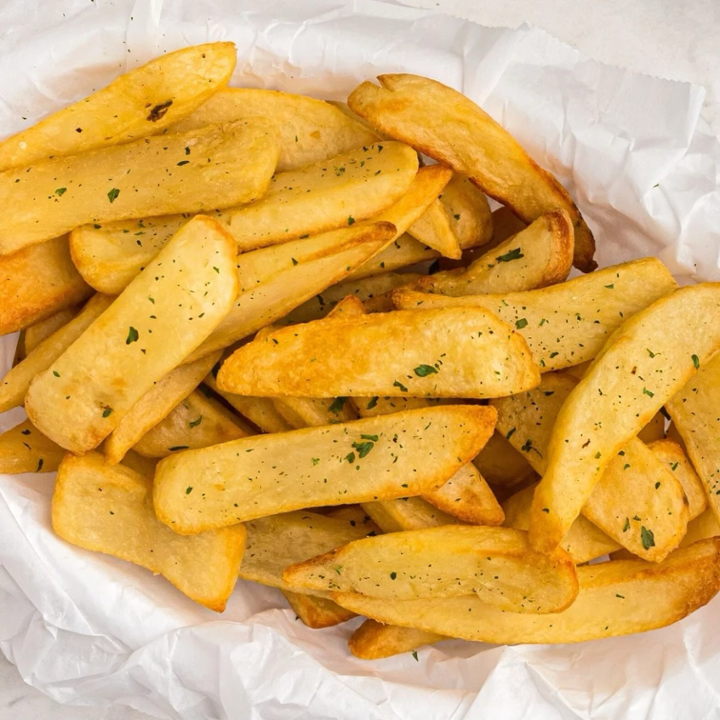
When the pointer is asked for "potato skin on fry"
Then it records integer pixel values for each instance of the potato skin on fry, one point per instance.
(373, 640)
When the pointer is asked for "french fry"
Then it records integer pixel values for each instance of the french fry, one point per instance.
(277, 541)
(433, 228)
(325, 195)
(584, 541)
(108, 508)
(312, 412)
(309, 129)
(141, 102)
(505, 224)
(331, 465)
(695, 419)
(403, 252)
(613, 601)
(355, 515)
(196, 422)
(639, 502)
(158, 320)
(496, 564)
(703, 526)
(153, 176)
(408, 513)
(444, 124)
(501, 464)
(141, 465)
(25, 449)
(568, 323)
(468, 212)
(674, 457)
(374, 641)
(317, 612)
(43, 329)
(155, 406)
(15, 384)
(381, 355)
(644, 363)
(38, 282)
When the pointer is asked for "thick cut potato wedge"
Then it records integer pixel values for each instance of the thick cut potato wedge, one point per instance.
(211, 168)
(141, 102)
(449, 127)
(376, 405)
(505, 224)
(332, 465)
(403, 252)
(539, 256)
(694, 412)
(644, 363)
(25, 449)
(496, 564)
(584, 541)
(374, 641)
(468, 211)
(277, 541)
(15, 384)
(309, 129)
(37, 282)
(141, 465)
(615, 598)
(158, 320)
(325, 195)
(501, 464)
(639, 502)
(408, 513)
(43, 329)
(434, 229)
(108, 508)
(196, 422)
(313, 412)
(568, 323)
(155, 406)
(702, 527)
(675, 458)
(317, 612)
(458, 352)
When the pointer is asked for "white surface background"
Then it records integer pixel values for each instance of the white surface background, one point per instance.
(674, 39)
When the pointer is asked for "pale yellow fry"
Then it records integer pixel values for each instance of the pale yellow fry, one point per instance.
(644, 363)
(539, 256)
(38, 282)
(568, 323)
(25, 449)
(138, 103)
(225, 165)
(673, 455)
(402, 252)
(213, 487)
(108, 508)
(433, 228)
(317, 612)
(277, 541)
(407, 513)
(155, 406)
(703, 526)
(325, 195)
(694, 412)
(309, 129)
(42, 330)
(393, 354)
(584, 541)
(312, 412)
(15, 384)
(158, 320)
(449, 127)
(615, 598)
(501, 464)
(638, 501)
(497, 564)
(196, 422)
(374, 406)
(141, 465)
(468, 211)
(374, 640)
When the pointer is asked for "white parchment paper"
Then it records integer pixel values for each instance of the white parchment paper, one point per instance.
(644, 169)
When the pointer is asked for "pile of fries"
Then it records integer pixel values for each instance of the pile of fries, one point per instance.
(270, 337)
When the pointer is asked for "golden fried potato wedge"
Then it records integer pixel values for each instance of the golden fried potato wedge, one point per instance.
(584, 541)
(468, 211)
(403, 252)
(108, 508)
(376, 405)
(565, 324)
(501, 464)
(537, 257)
(644, 363)
(496, 564)
(407, 513)
(155, 406)
(638, 501)
(505, 224)
(449, 127)
(277, 541)
(43, 329)
(695, 418)
(158, 320)
(381, 355)
(153, 176)
(141, 465)
(332, 465)
(434, 229)
(309, 129)
(675, 458)
(325, 195)
(702, 527)
(25, 449)
(312, 412)
(197, 421)
(615, 598)
(317, 612)
(37, 282)
(15, 384)
(141, 102)
(374, 641)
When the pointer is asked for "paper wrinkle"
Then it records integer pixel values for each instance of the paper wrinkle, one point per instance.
(644, 168)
